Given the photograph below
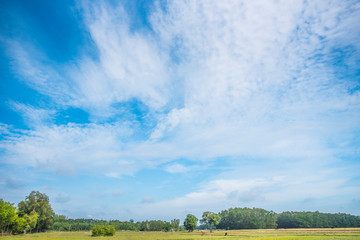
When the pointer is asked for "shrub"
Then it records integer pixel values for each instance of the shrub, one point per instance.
(103, 230)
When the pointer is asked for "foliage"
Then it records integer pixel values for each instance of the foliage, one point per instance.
(154, 225)
(31, 220)
(39, 203)
(247, 218)
(316, 220)
(211, 219)
(103, 230)
(175, 224)
(167, 226)
(18, 225)
(190, 222)
(125, 225)
(10, 222)
(7, 216)
(236, 218)
(61, 223)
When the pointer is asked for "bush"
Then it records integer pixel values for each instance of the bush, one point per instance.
(103, 230)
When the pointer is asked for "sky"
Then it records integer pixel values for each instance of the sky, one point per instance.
(157, 109)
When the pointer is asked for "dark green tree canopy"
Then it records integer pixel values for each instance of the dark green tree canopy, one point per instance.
(190, 222)
(316, 220)
(38, 202)
(247, 218)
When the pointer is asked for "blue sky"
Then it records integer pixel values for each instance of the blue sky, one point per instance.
(157, 109)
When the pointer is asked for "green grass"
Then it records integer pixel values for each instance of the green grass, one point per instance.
(263, 234)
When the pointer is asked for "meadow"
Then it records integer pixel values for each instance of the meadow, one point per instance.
(259, 234)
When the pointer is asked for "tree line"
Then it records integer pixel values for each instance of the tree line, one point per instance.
(62, 223)
(233, 218)
(257, 218)
(316, 220)
(35, 214)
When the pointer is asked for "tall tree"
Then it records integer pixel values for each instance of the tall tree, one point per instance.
(211, 219)
(190, 222)
(39, 203)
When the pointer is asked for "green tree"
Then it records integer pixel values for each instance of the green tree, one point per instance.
(39, 203)
(190, 222)
(167, 226)
(7, 216)
(316, 220)
(210, 219)
(18, 225)
(175, 224)
(31, 220)
(247, 218)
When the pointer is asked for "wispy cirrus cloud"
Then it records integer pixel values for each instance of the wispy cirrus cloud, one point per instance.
(129, 65)
(34, 116)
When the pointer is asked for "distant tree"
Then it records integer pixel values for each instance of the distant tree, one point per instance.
(210, 219)
(247, 218)
(190, 222)
(39, 203)
(316, 220)
(59, 218)
(143, 226)
(175, 224)
(156, 225)
(167, 226)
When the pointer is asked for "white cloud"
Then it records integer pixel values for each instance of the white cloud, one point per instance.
(176, 168)
(247, 83)
(245, 88)
(65, 149)
(129, 65)
(133, 63)
(263, 81)
(278, 193)
(34, 116)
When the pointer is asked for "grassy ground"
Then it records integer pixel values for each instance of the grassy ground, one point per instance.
(264, 234)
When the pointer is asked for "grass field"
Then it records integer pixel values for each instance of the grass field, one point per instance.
(264, 234)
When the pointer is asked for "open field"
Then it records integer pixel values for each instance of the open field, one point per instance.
(262, 234)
